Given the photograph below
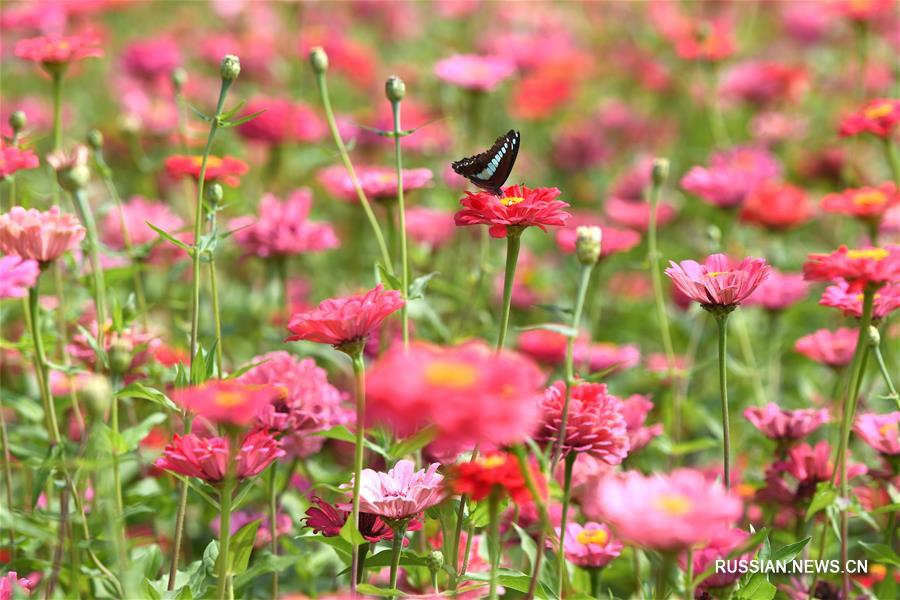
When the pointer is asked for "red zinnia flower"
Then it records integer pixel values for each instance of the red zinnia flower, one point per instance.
(865, 203)
(227, 169)
(858, 267)
(519, 207)
(14, 159)
(777, 206)
(227, 401)
(499, 471)
(718, 283)
(879, 117)
(59, 50)
(205, 458)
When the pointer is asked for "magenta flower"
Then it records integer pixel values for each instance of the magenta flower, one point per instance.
(606, 356)
(137, 213)
(718, 548)
(832, 348)
(14, 159)
(779, 291)
(40, 236)
(718, 283)
(400, 493)
(283, 121)
(151, 59)
(732, 176)
(474, 72)
(430, 227)
(887, 300)
(881, 432)
(786, 425)
(17, 274)
(378, 183)
(328, 520)
(591, 545)
(205, 458)
(793, 481)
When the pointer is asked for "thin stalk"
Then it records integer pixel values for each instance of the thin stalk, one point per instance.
(546, 524)
(79, 199)
(513, 242)
(217, 319)
(179, 517)
(494, 539)
(743, 336)
(885, 374)
(40, 365)
(457, 535)
(396, 550)
(63, 339)
(404, 258)
(225, 498)
(775, 334)
(567, 492)
(8, 478)
(722, 322)
(596, 573)
(689, 576)
(348, 165)
(273, 516)
(359, 375)
(56, 76)
(893, 159)
(119, 521)
(636, 567)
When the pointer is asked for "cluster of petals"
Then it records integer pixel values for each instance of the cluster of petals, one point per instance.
(793, 481)
(595, 422)
(499, 472)
(718, 282)
(432, 227)
(151, 59)
(59, 50)
(839, 295)
(283, 228)
(400, 493)
(228, 401)
(867, 203)
(858, 267)
(665, 512)
(377, 183)
(781, 424)
(328, 519)
(206, 457)
(880, 431)
(613, 239)
(635, 409)
(10, 581)
(880, 117)
(282, 121)
(340, 321)
(226, 169)
(779, 291)
(469, 393)
(731, 176)
(41, 236)
(136, 215)
(718, 548)
(763, 82)
(777, 206)
(517, 208)
(17, 275)
(591, 545)
(832, 348)
(474, 72)
(13, 159)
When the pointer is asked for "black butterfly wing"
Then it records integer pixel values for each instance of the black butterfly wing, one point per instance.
(490, 170)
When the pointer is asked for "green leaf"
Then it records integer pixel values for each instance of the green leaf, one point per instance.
(825, 496)
(514, 580)
(149, 591)
(368, 588)
(200, 113)
(566, 330)
(242, 120)
(757, 588)
(341, 433)
(887, 508)
(95, 346)
(351, 534)
(390, 281)
(143, 392)
(690, 447)
(414, 443)
(418, 285)
(268, 563)
(790, 552)
(132, 436)
(40, 478)
(881, 553)
(170, 238)
(241, 546)
(232, 111)
(110, 442)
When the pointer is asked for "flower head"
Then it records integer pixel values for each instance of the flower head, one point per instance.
(763, 83)
(40, 236)
(832, 348)
(206, 458)
(13, 159)
(881, 432)
(227, 169)
(779, 291)
(780, 424)
(635, 214)
(718, 283)
(839, 295)
(54, 51)
(151, 59)
(474, 72)
(590, 545)
(858, 267)
(519, 207)
(613, 240)
(228, 401)
(732, 176)
(777, 206)
(432, 227)
(793, 481)
(865, 203)
(378, 183)
(880, 117)
(498, 472)
(328, 520)
(283, 121)
(17, 274)
(400, 493)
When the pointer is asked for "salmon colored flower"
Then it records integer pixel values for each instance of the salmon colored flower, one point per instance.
(40, 236)
(782, 425)
(283, 121)
(498, 472)
(206, 458)
(519, 207)
(880, 117)
(59, 50)
(400, 493)
(474, 72)
(718, 282)
(348, 320)
(832, 348)
(777, 206)
(708, 42)
(595, 421)
(228, 401)
(732, 176)
(881, 432)
(13, 159)
(283, 228)
(858, 267)
(590, 546)
(226, 169)
(378, 183)
(779, 291)
(865, 203)
(17, 274)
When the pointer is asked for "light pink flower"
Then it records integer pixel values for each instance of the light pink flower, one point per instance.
(474, 72)
(138, 213)
(887, 299)
(832, 348)
(635, 409)
(206, 458)
(780, 424)
(635, 214)
(378, 183)
(732, 176)
(430, 227)
(400, 493)
(591, 545)
(40, 236)
(17, 274)
(606, 356)
(718, 282)
(779, 291)
(881, 432)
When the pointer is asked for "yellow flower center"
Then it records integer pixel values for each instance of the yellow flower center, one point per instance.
(674, 504)
(877, 571)
(717, 273)
(211, 162)
(592, 536)
(874, 198)
(878, 110)
(229, 399)
(493, 461)
(745, 490)
(451, 374)
(510, 200)
(887, 429)
(873, 253)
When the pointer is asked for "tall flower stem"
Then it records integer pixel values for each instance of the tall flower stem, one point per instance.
(7, 476)
(494, 539)
(404, 258)
(882, 366)
(179, 517)
(689, 575)
(775, 334)
(348, 165)
(359, 375)
(214, 292)
(543, 514)
(40, 365)
(272, 493)
(56, 76)
(79, 200)
(223, 586)
(567, 492)
(722, 322)
(119, 521)
(513, 242)
(396, 550)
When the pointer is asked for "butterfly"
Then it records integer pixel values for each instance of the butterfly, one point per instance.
(490, 169)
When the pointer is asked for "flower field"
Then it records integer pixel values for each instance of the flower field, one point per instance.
(456, 298)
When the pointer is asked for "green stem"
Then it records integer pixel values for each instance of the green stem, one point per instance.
(7, 474)
(567, 492)
(689, 576)
(893, 160)
(513, 242)
(359, 374)
(596, 573)
(396, 551)
(224, 573)
(494, 539)
(457, 536)
(404, 259)
(119, 520)
(636, 567)
(217, 320)
(885, 374)
(57, 79)
(40, 365)
(546, 524)
(348, 165)
(179, 516)
(722, 322)
(79, 199)
(775, 335)
(273, 521)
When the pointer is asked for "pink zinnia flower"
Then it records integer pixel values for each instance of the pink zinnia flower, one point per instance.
(591, 545)
(595, 422)
(635, 214)
(865, 203)
(543, 345)
(328, 520)
(151, 59)
(226, 169)
(470, 393)
(13, 159)
(474, 72)
(718, 283)
(887, 299)
(635, 409)
(880, 117)
(613, 240)
(17, 274)
(59, 50)
(283, 228)
(205, 458)
(519, 207)
(793, 481)
(777, 206)
(782, 425)
(228, 401)
(832, 348)
(430, 227)
(664, 512)
(718, 548)
(732, 176)
(378, 183)
(137, 214)
(400, 493)
(880, 431)
(40, 236)
(606, 356)
(779, 291)
(761, 82)
(283, 121)
(859, 267)
(347, 320)
(11, 580)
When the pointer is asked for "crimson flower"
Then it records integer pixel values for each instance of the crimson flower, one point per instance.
(717, 283)
(793, 481)
(879, 117)
(59, 50)
(328, 520)
(226, 169)
(777, 206)
(519, 207)
(865, 203)
(205, 458)
(859, 267)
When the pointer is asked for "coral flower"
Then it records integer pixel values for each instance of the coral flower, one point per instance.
(858, 267)
(779, 291)
(430, 227)
(717, 283)
(228, 401)
(17, 274)
(718, 548)
(378, 183)
(777, 206)
(665, 512)
(40, 236)
(491, 473)
(53, 51)
(782, 425)
(595, 422)
(832, 348)
(206, 458)
(470, 393)
(591, 545)
(14, 159)
(283, 228)
(400, 493)
(474, 72)
(635, 409)
(348, 320)
(281, 122)
(136, 214)
(887, 300)
(328, 520)
(519, 207)
(881, 432)
(879, 117)
(865, 203)
(731, 176)
(226, 169)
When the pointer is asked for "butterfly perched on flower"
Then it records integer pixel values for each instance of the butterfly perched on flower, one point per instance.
(490, 169)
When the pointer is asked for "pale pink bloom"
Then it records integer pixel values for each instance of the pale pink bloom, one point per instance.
(887, 299)
(881, 432)
(780, 424)
(40, 236)
(430, 227)
(718, 282)
(664, 512)
(718, 548)
(378, 183)
(17, 274)
(258, 52)
(805, 22)
(149, 108)
(400, 493)
(591, 545)
(832, 348)
(779, 291)
(206, 458)
(63, 385)
(774, 127)
(731, 176)
(474, 72)
(64, 160)
(283, 228)
(138, 214)
(151, 59)
(635, 409)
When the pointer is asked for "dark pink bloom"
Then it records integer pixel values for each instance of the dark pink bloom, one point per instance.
(718, 548)
(880, 117)
(880, 431)
(519, 207)
(780, 424)
(328, 520)
(606, 356)
(887, 299)
(718, 282)
(635, 409)
(11, 580)
(151, 59)
(400, 493)
(430, 227)
(761, 82)
(206, 458)
(779, 291)
(858, 267)
(340, 321)
(137, 214)
(17, 274)
(832, 348)
(793, 481)
(378, 183)
(59, 50)
(805, 23)
(14, 159)
(474, 72)
(731, 176)
(590, 545)
(40, 236)
(228, 401)
(282, 122)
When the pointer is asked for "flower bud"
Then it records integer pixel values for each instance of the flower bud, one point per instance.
(874, 336)
(660, 170)
(587, 244)
(97, 392)
(179, 78)
(71, 168)
(214, 194)
(435, 561)
(120, 357)
(318, 59)
(18, 121)
(231, 67)
(394, 88)
(95, 139)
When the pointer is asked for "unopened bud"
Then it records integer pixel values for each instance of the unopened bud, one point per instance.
(179, 78)
(435, 561)
(588, 244)
(660, 170)
(97, 392)
(71, 167)
(214, 194)
(231, 67)
(394, 88)
(18, 121)
(318, 59)
(95, 139)
(74, 178)
(874, 336)
(120, 356)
